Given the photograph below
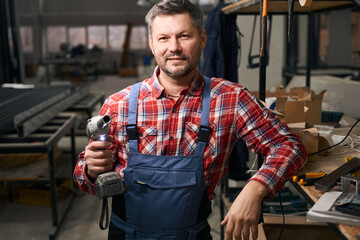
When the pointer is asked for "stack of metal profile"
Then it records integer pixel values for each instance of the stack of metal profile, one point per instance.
(23, 111)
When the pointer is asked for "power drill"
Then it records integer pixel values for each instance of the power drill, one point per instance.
(107, 184)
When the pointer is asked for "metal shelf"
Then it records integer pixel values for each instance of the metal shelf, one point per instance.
(281, 6)
(43, 141)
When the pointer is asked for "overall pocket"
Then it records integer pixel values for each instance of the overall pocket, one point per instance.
(166, 197)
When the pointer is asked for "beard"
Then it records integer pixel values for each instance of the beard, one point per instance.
(184, 71)
(179, 73)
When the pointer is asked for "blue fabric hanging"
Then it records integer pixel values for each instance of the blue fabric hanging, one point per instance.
(220, 55)
(220, 59)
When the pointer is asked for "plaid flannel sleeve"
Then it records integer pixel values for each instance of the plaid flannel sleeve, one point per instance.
(265, 134)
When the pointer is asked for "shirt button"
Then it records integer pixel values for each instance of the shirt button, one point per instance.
(172, 138)
(174, 110)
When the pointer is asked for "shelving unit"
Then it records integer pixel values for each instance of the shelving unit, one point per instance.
(251, 7)
(281, 6)
(44, 141)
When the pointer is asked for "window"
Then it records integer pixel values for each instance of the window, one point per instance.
(97, 36)
(110, 37)
(55, 36)
(26, 37)
(77, 35)
(208, 2)
(138, 38)
(117, 34)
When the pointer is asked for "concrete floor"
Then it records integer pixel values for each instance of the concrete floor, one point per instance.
(19, 221)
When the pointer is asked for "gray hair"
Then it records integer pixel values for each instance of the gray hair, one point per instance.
(172, 7)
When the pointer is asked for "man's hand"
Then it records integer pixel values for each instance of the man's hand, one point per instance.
(98, 158)
(244, 214)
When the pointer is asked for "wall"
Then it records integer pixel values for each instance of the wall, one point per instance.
(339, 49)
(250, 77)
(340, 38)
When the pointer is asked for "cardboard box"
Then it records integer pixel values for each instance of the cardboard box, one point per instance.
(310, 139)
(313, 140)
(278, 92)
(300, 109)
(302, 105)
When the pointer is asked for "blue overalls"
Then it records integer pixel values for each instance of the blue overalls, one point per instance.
(163, 192)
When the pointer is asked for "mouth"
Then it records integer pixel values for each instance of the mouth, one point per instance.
(176, 58)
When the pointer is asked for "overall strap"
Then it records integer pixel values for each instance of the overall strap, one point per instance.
(133, 101)
(204, 131)
(131, 127)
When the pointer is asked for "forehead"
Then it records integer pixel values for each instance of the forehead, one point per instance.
(172, 23)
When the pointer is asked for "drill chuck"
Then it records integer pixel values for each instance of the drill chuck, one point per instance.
(98, 127)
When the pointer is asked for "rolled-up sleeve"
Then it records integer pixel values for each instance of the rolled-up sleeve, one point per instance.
(282, 151)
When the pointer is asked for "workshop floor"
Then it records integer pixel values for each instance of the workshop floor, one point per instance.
(20, 221)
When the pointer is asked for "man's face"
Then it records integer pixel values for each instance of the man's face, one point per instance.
(176, 44)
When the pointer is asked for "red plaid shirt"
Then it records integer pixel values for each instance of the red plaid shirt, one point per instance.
(168, 127)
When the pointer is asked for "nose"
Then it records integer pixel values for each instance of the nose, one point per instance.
(174, 45)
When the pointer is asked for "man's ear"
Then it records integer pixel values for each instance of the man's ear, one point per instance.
(151, 44)
(203, 38)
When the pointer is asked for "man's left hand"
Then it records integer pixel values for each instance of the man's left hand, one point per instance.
(244, 213)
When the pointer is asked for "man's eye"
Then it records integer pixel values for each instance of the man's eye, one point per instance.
(162, 38)
(185, 36)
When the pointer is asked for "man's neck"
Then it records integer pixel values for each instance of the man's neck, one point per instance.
(174, 86)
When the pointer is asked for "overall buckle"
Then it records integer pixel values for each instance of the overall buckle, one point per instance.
(204, 133)
(132, 131)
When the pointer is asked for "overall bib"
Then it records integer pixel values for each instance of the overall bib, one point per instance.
(163, 192)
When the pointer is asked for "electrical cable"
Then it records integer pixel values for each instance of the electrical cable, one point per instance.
(283, 217)
(327, 148)
(252, 168)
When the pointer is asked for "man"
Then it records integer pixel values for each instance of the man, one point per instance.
(186, 127)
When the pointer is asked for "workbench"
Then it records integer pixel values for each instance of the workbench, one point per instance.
(76, 68)
(43, 140)
(327, 164)
(88, 103)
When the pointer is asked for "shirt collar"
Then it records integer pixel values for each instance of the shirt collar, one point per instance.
(195, 88)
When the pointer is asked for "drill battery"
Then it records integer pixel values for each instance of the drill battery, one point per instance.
(109, 184)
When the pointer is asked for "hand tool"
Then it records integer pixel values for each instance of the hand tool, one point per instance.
(308, 179)
(107, 184)
(329, 181)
